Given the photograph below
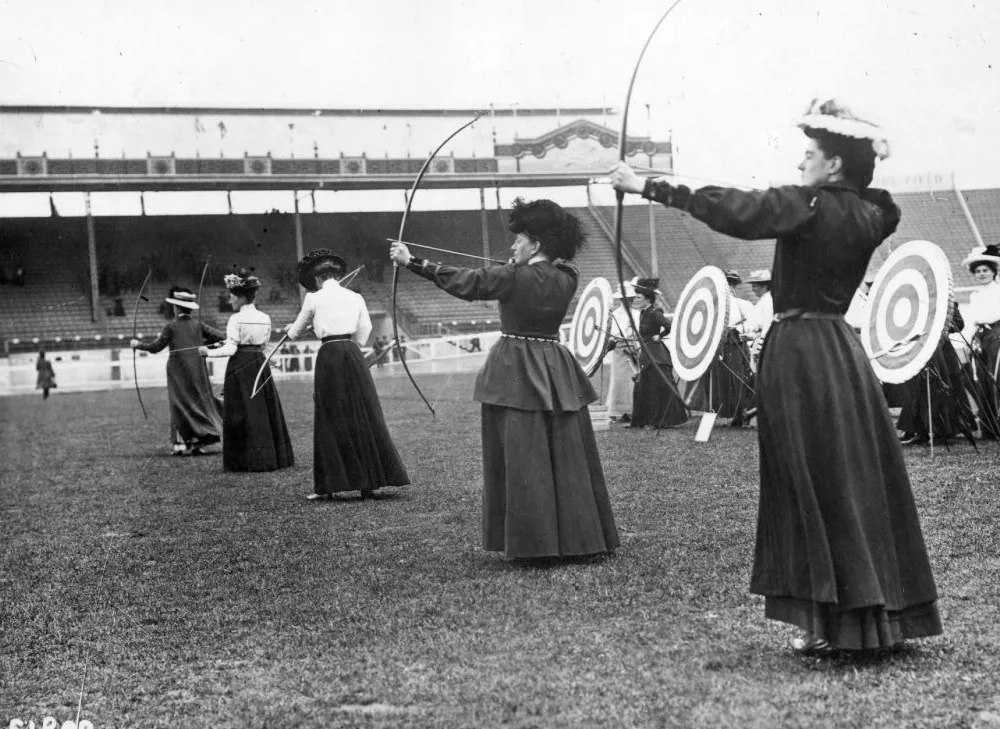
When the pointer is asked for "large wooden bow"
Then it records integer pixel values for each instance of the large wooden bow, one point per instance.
(619, 208)
(401, 236)
(135, 330)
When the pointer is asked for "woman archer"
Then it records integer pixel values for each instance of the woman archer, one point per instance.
(544, 493)
(840, 552)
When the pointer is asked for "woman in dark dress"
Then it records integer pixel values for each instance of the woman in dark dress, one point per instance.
(254, 434)
(544, 493)
(654, 403)
(982, 332)
(195, 412)
(950, 414)
(46, 375)
(352, 447)
(840, 552)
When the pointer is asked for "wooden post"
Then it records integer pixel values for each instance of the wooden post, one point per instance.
(484, 223)
(95, 294)
(299, 252)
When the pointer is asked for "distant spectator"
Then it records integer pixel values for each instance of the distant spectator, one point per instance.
(46, 375)
(18, 277)
(475, 345)
(308, 360)
(293, 361)
(377, 269)
(274, 295)
(119, 309)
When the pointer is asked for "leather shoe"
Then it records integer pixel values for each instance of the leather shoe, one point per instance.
(809, 645)
(320, 497)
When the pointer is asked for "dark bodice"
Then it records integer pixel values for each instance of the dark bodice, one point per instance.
(825, 235)
(533, 298)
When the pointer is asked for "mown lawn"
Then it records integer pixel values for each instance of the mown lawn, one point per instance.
(177, 595)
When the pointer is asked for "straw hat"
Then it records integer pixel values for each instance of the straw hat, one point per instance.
(832, 116)
(761, 275)
(184, 299)
(983, 254)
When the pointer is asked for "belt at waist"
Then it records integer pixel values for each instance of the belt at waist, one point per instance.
(249, 347)
(803, 314)
(534, 337)
(337, 338)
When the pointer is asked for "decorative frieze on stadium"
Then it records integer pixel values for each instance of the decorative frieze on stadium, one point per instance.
(580, 129)
(249, 165)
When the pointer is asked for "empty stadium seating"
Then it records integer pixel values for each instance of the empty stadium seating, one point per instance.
(54, 252)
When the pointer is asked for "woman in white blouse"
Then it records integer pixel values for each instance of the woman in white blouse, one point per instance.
(352, 448)
(254, 434)
(982, 330)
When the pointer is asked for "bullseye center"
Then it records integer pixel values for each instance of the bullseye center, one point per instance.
(901, 312)
(697, 322)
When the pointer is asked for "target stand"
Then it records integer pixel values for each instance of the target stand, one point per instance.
(909, 310)
(588, 338)
(700, 321)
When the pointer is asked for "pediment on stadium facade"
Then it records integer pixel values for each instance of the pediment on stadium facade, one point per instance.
(578, 146)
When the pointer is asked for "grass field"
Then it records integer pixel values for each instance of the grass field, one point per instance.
(176, 595)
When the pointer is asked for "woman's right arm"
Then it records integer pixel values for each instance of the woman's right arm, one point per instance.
(304, 319)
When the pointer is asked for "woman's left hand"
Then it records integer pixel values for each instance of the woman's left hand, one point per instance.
(400, 254)
(203, 351)
(624, 179)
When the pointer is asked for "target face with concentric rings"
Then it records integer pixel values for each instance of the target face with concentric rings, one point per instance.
(908, 310)
(699, 323)
(589, 329)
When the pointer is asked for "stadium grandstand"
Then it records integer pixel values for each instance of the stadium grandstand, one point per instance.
(78, 274)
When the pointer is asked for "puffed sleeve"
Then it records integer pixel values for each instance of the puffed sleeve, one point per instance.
(304, 320)
(472, 284)
(364, 325)
(750, 215)
(158, 344)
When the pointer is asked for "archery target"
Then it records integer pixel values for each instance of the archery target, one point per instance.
(908, 310)
(589, 330)
(699, 323)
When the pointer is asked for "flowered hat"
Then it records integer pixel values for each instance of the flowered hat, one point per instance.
(648, 287)
(183, 298)
(733, 277)
(306, 268)
(832, 116)
(244, 280)
(982, 254)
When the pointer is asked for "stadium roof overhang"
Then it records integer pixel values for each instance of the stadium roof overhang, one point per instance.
(178, 183)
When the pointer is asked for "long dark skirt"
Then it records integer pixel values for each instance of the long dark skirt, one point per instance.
(195, 412)
(839, 547)
(543, 493)
(949, 405)
(984, 384)
(352, 448)
(733, 385)
(654, 403)
(254, 434)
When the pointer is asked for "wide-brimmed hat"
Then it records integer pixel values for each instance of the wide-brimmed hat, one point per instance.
(648, 287)
(629, 291)
(832, 116)
(761, 275)
(733, 277)
(306, 268)
(183, 299)
(982, 254)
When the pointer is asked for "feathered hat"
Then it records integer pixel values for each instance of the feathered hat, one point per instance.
(761, 275)
(733, 277)
(306, 268)
(834, 117)
(183, 298)
(982, 254)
